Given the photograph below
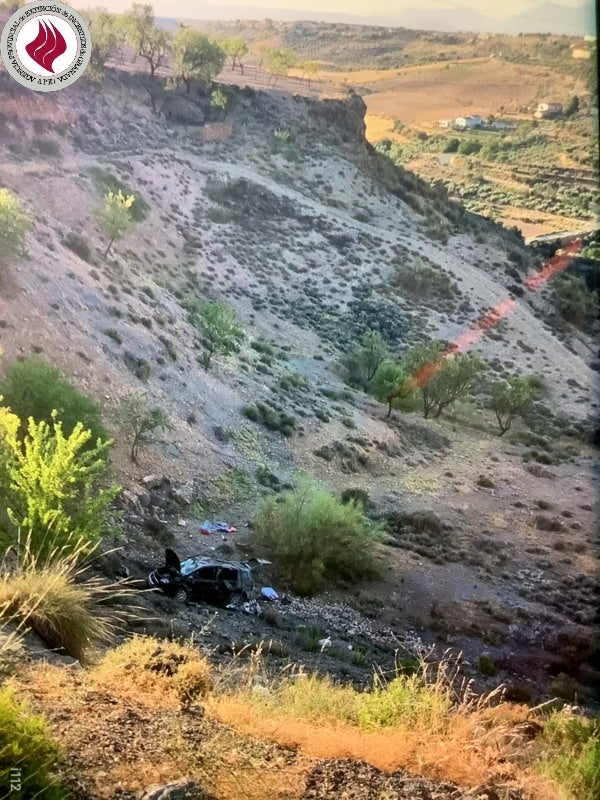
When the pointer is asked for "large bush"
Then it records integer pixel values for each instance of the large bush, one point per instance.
(49, 487)
(34, 388)
(313, 538)
(28, 756)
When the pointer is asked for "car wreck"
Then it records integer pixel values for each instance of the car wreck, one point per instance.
(205, 579)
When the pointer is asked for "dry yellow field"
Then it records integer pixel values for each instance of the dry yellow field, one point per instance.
(424, 94)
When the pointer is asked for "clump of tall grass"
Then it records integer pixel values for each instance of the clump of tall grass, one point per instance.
(57, 602)
(313, 538)
(424, 697)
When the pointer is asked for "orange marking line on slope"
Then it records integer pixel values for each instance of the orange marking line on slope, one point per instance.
(487, 320)
(556, 264)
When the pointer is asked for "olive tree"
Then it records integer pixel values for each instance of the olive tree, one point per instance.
(391, 384)
(279, 63)
(310, 69)
(197, 59)
(145, 39)
(106, 36)
(140, 421)
(442, 378)
(236, 49)
(509, 398)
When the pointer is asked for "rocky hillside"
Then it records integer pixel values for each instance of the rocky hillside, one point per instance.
(284, 212)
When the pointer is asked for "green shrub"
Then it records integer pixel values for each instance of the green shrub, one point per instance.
(422, 282)
(313, 538)
(231, 486)
(26, 749)
(108, 183)
(469, 147)
(293, 380)
(34, 388)
(265, 477)
(570, 754)
(49, 487)
(572, 299)
(143, 371)
(47, 147)
(113, 334)
(355, 495)
(406, 700)
(309, 639)
(486, 665)
(271, 419)
(78, 245)
(217, 323)
(14, 227)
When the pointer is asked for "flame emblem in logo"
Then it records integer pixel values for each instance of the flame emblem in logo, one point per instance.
(47, 46)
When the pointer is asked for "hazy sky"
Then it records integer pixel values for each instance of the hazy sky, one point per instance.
(210, 9)
(194, 8)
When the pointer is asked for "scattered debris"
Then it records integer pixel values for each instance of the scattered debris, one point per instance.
(269, 593)
(209, 527)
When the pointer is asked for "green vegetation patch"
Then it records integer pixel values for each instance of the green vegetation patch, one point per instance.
(313, 538)
(106, 182)
(27, 750)
(34, 388)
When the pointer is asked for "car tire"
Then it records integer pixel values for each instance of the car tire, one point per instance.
(181, 595)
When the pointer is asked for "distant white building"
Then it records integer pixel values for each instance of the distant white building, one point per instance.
(472, 121)
(445, 123)
(545, 110)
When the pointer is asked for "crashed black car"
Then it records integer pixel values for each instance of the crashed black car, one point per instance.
(205, 579)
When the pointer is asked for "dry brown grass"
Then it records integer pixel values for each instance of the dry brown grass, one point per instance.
(126, 724)
(472, 751)
(55, 601)
(456, 736)
(128, 731)
(166, 671)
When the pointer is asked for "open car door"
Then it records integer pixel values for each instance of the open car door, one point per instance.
(172, 560)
